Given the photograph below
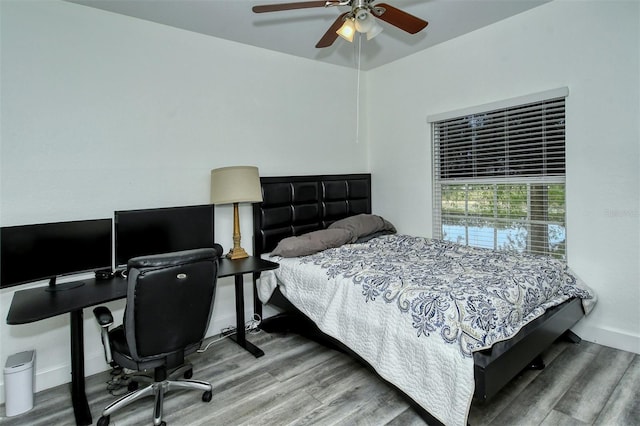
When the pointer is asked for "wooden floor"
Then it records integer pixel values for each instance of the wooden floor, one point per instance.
(299, 382)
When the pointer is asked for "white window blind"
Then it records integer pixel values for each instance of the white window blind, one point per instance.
(499, 178)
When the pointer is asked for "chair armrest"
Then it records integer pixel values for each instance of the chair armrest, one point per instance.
(105, 319)
(103, 316)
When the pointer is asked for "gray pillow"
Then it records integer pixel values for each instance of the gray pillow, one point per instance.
(312, 242)
(363, 224)
(368, 237)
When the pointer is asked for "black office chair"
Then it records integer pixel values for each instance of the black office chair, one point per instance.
(169, 302)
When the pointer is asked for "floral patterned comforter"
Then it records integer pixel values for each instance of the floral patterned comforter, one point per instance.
(415, 307)
(471, 297)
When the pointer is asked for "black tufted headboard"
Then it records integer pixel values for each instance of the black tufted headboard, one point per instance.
(294, 205)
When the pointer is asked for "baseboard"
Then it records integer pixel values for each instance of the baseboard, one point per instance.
(607, 337)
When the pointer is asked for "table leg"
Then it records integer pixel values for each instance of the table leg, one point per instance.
(78, 395)
(257, 303)
(240, 336)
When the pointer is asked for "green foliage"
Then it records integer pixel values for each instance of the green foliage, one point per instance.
(503, 201)
(528, 209)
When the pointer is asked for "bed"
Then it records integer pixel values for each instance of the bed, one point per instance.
(343, 296)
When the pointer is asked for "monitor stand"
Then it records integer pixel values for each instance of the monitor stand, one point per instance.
(53, 287)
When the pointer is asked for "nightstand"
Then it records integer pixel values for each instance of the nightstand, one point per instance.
(237, 268)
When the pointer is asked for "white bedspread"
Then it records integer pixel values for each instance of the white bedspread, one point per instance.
(413, 308)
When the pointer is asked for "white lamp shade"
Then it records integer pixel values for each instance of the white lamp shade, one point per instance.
(364, 22)
(375, 29)
(237, 184)
(347, 30)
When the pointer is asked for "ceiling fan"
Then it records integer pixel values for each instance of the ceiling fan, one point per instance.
(361, 18)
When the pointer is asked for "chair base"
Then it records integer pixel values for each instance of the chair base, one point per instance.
(158, 390)
(147, 376)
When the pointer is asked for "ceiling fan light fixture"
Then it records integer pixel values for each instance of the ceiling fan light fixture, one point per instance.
(375, 29)
(367, 24)
(347, 30)
(364, 21)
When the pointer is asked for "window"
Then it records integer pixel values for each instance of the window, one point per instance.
(499, 175)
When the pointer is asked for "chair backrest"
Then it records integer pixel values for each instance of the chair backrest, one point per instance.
(169, 302)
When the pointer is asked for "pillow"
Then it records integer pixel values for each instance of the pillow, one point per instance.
(366, 238)
(362, 225)
(312, 242)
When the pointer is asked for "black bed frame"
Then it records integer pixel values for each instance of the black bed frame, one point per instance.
(294, 205)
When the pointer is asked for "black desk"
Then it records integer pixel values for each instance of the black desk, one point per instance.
(36, 304)
(237, 268)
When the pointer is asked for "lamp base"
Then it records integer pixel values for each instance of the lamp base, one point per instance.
(237, 253)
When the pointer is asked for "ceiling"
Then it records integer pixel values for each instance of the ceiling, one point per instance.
(296, 32)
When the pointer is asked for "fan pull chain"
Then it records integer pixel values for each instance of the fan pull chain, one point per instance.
(358, 90)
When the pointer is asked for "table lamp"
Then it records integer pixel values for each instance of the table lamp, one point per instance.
(237, 184)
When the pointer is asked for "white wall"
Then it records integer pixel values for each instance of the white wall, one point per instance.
(592, 47)
(102, 112)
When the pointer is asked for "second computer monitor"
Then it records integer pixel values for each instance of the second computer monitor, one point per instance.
(162, 230)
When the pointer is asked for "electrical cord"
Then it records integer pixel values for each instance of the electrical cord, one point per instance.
(251, 327)
(118, 384)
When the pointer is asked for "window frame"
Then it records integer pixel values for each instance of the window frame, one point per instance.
(539, 220)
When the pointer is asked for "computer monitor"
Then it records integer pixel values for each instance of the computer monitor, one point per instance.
(45, 251)
(162, 230)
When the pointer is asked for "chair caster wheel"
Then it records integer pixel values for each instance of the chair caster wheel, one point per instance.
(188, 374)
(103, 421)
(206, 397)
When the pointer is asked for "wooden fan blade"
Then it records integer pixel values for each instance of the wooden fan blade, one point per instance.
(403, 20)
(331, 35)
(288, 6)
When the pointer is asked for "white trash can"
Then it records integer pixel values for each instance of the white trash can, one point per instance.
(18, 383)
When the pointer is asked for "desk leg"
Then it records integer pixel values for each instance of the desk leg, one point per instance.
(240, 336)
(78, 395)
(257, 303)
